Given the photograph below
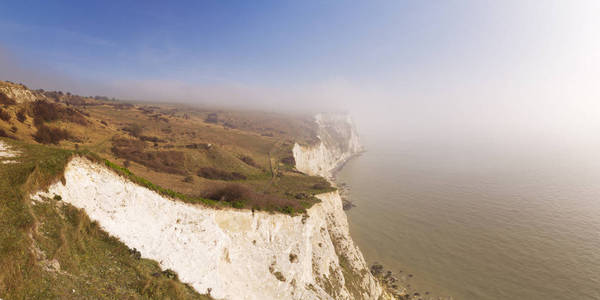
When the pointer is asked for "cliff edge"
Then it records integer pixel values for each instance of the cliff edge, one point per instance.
(229, 253)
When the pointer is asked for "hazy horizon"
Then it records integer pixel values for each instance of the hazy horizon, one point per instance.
(463, 68)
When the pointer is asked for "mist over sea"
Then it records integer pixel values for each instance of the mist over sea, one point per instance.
(481, 219)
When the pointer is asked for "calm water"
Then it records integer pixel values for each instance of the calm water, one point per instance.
(481, 221)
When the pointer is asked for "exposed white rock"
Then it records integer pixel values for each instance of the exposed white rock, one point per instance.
(234, 254)
(18, 93)
(338, 141)
(6, 152)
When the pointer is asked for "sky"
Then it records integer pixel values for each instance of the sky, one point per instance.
(465, 68)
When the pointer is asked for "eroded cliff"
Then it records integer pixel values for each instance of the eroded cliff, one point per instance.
(235, 254)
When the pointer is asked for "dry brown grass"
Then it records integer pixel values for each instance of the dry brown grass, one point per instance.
(5, 100)
(163, 161)
(216, 174)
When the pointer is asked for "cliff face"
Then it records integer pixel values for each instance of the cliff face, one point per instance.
(17, 92)
(233, 254)
(338, 141)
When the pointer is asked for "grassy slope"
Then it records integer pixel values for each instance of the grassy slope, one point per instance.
(52, 250)
(265, 138)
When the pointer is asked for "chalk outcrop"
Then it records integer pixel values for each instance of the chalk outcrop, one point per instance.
(338, 141)
(6, 153)
(17, 92)
(231, 254)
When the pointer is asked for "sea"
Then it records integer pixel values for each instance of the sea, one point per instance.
(480, 220)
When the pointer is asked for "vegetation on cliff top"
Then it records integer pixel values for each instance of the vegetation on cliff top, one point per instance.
(51, 250)
(193, 154)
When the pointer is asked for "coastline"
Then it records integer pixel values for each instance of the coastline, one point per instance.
(395, 281)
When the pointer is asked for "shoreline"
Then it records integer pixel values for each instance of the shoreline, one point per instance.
(396, 282)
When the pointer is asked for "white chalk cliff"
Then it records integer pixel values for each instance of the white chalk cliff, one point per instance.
(338, 141)
(232, 254)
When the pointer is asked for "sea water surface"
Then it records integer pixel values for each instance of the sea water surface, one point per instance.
(480, 221)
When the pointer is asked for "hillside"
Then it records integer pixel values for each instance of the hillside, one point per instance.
(164, 201)
(50, 249)
(224, 158)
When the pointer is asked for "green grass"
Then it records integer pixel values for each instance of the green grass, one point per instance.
(52, 250)
(163, 191)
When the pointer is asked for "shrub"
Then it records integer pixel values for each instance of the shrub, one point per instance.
(249, 161)
(216, 174)
(321, 186)
(133, 129)
(188, 179)
(44, 111)
(289, 160)
(4, 99)
(49, 135)
(13, 129)
(161, 161)
(152, 139)
(212, 118)
(3, 133)
(231, 193)
(4, 115)
(21, 117)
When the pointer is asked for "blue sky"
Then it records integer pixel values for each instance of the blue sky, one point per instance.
(453, 64)
(221, 40)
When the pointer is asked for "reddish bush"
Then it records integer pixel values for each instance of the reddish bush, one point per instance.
(4, 115)
(321, 185)
(49, 135)
(216, 174)
(44, 111)
(21, 115)
(289, 160)
(161, 161)
(249, 161)
(5, 100)
(231, 193)
(212, 118)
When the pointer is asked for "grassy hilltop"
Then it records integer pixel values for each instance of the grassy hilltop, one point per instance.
(228, 158)
(216, 158)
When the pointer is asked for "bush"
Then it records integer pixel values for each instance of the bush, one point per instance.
(152, 139)
(3, 133)
(49, 135)
(21, 117)
(5, 100)
(44, 111)
(161, 161)
(212, 118)
(13, 129)
(249, 161)
(289, 160)
(231, 193)
(4, 115)
(133, 129)
(216, 174)
(321, 186)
